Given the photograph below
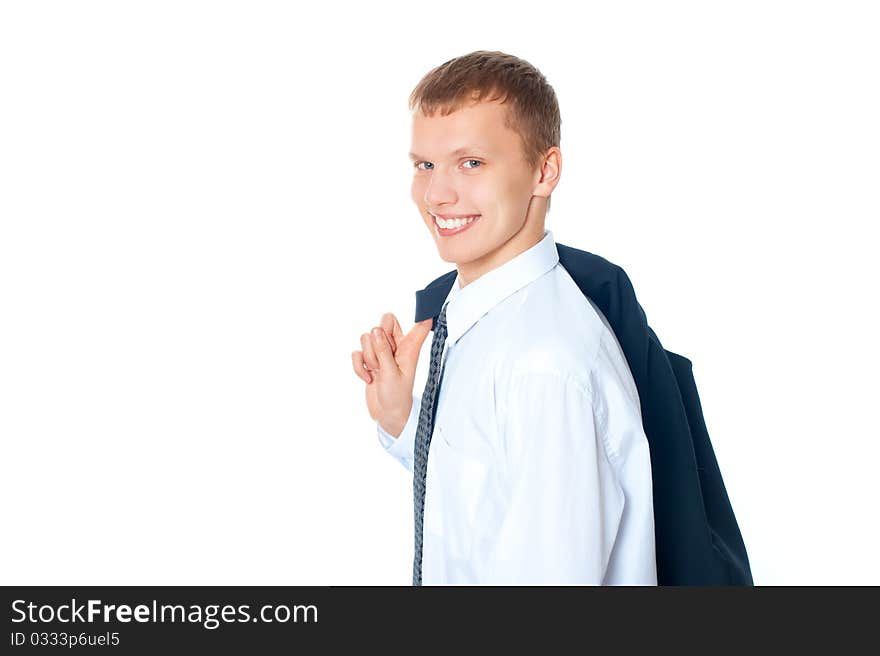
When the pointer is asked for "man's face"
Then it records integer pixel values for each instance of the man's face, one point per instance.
(488, 177)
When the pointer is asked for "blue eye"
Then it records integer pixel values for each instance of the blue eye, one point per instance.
(478, 162)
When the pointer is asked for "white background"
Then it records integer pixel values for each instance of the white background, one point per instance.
(203, 206)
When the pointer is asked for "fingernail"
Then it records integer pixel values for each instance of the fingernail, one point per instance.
(377, 333)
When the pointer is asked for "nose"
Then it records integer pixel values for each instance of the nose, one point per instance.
(439, 191)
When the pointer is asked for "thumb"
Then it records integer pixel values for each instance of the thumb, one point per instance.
(409, 348)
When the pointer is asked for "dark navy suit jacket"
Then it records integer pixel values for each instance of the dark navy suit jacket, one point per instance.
(697, 539)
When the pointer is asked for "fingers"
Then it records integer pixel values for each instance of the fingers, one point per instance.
(369, 353)
(357, 362)
(398, 331)
(378, 350)
(392, 330)
(382, 351)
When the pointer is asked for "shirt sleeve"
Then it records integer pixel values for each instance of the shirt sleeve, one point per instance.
(566, 501)
(402, 447)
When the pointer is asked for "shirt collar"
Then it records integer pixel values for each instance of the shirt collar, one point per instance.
(467, 306)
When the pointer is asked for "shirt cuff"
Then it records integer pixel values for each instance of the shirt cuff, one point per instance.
(402, 448)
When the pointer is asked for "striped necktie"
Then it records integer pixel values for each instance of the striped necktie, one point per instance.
(423, 437)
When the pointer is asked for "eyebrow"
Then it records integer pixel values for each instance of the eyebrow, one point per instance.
(455, 153)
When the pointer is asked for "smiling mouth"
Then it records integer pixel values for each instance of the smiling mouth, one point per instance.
(453, 227)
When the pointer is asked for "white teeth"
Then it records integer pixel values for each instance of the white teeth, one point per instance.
(452, 223)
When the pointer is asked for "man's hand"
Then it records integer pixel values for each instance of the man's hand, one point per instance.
(387, 364)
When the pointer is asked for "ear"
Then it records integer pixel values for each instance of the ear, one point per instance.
(547, 176)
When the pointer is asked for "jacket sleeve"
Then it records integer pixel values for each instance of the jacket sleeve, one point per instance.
(403, 446)
(566, 501)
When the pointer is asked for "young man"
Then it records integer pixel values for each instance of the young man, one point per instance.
(538, 469)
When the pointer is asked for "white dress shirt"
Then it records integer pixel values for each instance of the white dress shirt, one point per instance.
(539, 470)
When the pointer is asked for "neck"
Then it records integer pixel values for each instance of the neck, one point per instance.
(522, 241)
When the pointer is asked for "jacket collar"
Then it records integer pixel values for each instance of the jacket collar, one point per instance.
(469, 305)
